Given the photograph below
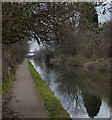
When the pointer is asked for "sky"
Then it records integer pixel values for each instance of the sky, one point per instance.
(106, 17)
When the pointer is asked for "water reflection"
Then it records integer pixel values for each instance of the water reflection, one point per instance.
(83, 93)
(92, 104)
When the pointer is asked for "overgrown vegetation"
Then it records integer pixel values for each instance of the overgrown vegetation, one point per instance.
(52, 104)
(12, 55)
(44, 55)
(83, 50)
(7, 83)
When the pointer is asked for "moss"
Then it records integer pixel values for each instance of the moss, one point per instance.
(51, 102)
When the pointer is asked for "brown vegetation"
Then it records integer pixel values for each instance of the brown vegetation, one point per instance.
(83, 50)
(12, 55)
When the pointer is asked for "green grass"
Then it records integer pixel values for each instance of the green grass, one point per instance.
(6, 84)
(51, 102)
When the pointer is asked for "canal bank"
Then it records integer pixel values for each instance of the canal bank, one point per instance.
(77, 89)
(52, 104)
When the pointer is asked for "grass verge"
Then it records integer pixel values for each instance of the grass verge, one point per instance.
(51, 102)
(7, 83)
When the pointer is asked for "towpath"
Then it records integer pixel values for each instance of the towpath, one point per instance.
(25, 101)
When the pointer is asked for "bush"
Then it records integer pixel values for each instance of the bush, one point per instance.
(44, 55)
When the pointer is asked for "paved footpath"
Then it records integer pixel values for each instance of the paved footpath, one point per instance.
(25, 102)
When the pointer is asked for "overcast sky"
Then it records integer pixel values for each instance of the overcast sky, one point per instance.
(103, 18)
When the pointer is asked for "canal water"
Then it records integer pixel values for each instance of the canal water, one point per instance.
(83, 93)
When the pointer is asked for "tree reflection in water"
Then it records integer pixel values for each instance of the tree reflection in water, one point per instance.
(92, 104)
(80, 91)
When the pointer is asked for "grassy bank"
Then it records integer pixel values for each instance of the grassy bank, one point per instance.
(7, 83)
(51, 102)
